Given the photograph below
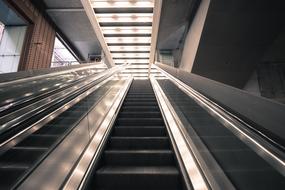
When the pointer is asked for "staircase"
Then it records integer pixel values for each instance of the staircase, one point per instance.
(138, 154)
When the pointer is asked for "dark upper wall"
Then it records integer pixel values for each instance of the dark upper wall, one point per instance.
(236, 36)
(39, 41)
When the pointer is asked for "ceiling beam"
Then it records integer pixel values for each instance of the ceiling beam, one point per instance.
(65, 10)
(95, 24)
(155, 27)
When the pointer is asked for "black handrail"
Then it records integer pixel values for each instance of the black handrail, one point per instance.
(14, 122)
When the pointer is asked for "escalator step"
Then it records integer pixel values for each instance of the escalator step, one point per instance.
(140, 108)
(130, 143)
(140, 103)
(38, 141)
(143, 99)
(139, 131)
(139, 157)
(139, 114)
(140, 121)
(52, 130)
(9, 176)
(137, 178)
(21, 156)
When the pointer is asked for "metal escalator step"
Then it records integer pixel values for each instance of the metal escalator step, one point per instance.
(140, 121)
(222, 143)
(140, 103)
(212, 130)
(139, 157)
(139, 96)
(62, 122)
(9, 176)
(139, 131)
(52, 130)
(131, 143)
(144, 177)
(21, 156)
(139, 114)
(38, 141)
(143, 99)
(140, 108)
(261, 180)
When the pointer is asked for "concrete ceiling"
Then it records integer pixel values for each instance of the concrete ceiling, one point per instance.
(236, 35)
(72, 20)
(8, 17)
(173, 23)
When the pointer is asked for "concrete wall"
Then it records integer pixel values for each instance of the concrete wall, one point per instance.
(235, 37)
(252, 86)
(193, 37)
(11, 48)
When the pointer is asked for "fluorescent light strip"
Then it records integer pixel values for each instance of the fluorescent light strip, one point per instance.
(129, 48)
(124, 17)
(127, 39)
(135, 71)
(142, 61)
(137, 67)
(122, 4)
(127, 30)
(130, 55)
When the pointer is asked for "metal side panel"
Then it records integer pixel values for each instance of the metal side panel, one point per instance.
(96, 116)
(53, 171)
(60, 162)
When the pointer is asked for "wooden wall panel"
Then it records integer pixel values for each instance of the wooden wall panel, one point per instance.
(39, 42)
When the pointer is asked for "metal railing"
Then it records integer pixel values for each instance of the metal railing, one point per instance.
(29, 113)
(272, 154)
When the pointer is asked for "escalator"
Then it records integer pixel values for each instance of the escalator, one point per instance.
(244, 167)
(20, 160)
(138, 153)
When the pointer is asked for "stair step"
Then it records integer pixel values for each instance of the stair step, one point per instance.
(143, 99)
(21, 156)
(131, 143)
(137, 178)
(140, 108)
(52, 130)
(38, 141)
(140, 121)
(139, 114)
(9, 176)
(149, 131)
(140, 103)
(139, 157)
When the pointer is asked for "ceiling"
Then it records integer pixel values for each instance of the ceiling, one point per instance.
(71, 19)
(8, 17)
(235, 37)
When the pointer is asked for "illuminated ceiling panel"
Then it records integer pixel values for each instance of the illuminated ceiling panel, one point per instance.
(125, 17)
(141, 61)
(130, 55)
(122, 3)
(127, 39)
(126, 26)
(129, 48)
(127, 30)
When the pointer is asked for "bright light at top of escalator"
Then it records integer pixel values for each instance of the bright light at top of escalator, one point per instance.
(128, 39)
(142, 55)
(122, 3)
(124, 17)
(127, 30)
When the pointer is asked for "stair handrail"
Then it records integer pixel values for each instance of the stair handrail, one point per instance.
(45, 104)
(264, 148)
